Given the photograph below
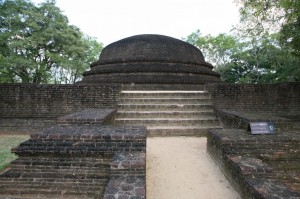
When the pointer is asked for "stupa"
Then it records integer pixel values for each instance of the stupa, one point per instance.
(151, 59)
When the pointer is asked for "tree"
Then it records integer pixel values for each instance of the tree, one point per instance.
(259, 17)
(217, 50)
(73, 68)
(240, 61)
(273, 26)
(37, 45)
(265, 47)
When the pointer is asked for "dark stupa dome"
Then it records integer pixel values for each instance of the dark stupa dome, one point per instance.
(151, 59)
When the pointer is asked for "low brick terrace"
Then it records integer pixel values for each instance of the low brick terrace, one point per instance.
(79, 161)
(88, 116)
(240, 119)
(260, 166)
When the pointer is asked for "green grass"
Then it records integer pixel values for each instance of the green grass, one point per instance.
(6, 143)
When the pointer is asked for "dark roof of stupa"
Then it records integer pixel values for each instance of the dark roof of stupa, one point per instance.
(150, 48)
(151, 59)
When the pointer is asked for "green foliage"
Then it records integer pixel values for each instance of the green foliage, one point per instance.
(215, 49)
(37, 45)
(266, 45)
(260, 17)
(240, 61)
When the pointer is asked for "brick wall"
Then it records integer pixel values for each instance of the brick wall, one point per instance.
(51, 101)
(30, 100)
(28, 105)
(280, 98)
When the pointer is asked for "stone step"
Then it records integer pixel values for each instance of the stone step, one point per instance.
(167, 121)
(168, 112)
(167, 87)
(36, 192)
(166, 107)
(60, 182)
(54, 186)
(164, 114)
(21, 197)
(31, 185)
(180, 130)
(290, 165)
(61, 170)
(5, 180)
(58, 166)
(118, 185)
(174, 100)
(162, 91)
(48, 195)
(15, 173)
(164, 94)
(61, 162)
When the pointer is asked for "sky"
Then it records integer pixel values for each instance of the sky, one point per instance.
(112, 20)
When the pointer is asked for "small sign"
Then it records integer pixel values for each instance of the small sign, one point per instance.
(262, 128)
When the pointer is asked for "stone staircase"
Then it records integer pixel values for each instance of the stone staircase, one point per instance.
(167, 112)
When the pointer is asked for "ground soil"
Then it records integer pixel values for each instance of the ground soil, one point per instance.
(180, 168)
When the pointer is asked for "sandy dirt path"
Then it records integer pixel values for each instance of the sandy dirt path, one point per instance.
(180, 168)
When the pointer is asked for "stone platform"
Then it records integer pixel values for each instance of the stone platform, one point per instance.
(79, 161)
(240, 119)
(84, 139)
(260, 166)
(89, 116)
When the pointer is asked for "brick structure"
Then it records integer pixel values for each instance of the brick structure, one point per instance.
(238, 104)
(89, 116)
(282, 98)
(75, 160)
(81, 158)
(31, 107)
(261, 166)
(151, 59)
